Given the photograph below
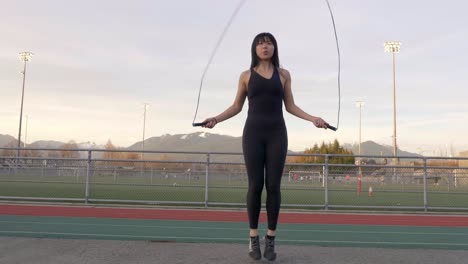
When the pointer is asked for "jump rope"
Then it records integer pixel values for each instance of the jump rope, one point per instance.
(220, 40)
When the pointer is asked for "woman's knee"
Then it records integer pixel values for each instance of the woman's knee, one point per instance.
(255, 188)
(273, 188)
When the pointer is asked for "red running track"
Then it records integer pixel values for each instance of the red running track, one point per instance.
(235, 216)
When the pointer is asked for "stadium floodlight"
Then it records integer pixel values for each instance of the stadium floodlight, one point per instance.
(24, 56)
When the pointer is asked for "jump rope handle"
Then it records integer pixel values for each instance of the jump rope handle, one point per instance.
(331, 127)
(199, 124)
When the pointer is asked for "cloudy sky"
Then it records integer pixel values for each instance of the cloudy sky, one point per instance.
(97, 62)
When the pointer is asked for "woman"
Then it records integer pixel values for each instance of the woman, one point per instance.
(264, 141)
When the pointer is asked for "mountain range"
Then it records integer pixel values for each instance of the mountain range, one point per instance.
(371, 148)
(204, 142)
(194, 142)
(5, 139)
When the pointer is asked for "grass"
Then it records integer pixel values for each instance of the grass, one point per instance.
(223, 189)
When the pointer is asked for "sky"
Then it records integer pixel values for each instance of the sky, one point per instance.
(96, 63)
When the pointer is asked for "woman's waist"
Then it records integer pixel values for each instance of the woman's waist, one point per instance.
(265, 121)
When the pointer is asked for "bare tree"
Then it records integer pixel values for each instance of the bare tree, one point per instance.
(10, 152)
(67, 151)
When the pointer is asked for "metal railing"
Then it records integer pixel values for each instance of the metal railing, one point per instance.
(220, 179)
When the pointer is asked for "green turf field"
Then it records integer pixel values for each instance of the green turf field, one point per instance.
(225, 189)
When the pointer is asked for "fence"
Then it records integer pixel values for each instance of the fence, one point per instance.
(220, 179)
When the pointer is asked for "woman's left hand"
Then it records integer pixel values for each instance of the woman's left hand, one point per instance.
(320, 123)
(210, 122)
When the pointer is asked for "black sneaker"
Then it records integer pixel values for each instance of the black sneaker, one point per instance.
(269, 253)
(254, 248)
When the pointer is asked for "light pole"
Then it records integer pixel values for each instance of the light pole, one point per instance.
(145, 105)
(25, 56)
(393, 47)
(359, 104)
(26, 132)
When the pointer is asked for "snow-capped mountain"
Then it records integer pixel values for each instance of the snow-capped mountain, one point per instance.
(199, 141)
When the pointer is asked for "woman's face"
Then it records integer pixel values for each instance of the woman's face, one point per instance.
(265, 49)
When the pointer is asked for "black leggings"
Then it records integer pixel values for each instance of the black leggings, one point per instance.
(265, 155)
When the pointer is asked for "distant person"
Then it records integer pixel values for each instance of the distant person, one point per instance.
(264, 140)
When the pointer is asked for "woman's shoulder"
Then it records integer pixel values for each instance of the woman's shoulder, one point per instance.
(246, 72)
(245, 75)
(284, 73)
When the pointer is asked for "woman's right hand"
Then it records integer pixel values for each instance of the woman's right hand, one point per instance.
(320, 123)
(210, 122)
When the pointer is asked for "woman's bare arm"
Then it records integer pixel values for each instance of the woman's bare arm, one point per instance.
(291, 106)
(237, 105)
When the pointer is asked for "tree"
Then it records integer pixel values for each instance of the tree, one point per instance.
(67, 151)
(131, 156)
(112, 154)
(10, 152)
(330, 148)
(53, 154)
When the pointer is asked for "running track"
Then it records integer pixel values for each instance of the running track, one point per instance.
(221, 226)
(235, 216)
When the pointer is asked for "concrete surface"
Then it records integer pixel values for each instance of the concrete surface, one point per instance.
(17, 250)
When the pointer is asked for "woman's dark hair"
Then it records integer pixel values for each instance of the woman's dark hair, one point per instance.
(265, 36)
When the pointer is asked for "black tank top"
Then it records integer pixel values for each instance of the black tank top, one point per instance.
(265, 101)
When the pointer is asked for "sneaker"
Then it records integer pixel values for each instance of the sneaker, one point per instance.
(269, 253)
(254, 248)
